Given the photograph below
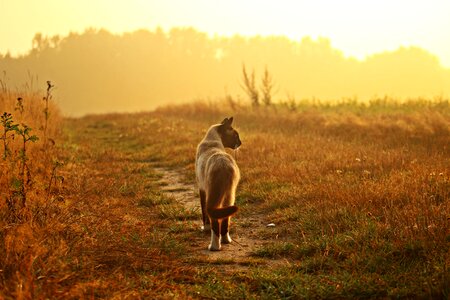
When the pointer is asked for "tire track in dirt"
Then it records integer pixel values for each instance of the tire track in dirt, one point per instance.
(245, 238)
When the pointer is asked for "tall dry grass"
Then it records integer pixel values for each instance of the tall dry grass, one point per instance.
(29, 189)
(81, 233)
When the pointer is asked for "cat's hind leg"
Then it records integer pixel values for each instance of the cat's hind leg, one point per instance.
(215, 235)
(224, 231)
(206, 223)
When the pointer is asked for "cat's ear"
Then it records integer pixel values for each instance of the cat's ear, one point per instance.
(227, 122)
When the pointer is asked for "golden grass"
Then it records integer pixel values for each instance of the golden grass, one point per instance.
(26, 230)
(357, 187)
(359, 195)
(379, 163)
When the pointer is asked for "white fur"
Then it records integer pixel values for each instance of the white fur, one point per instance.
(226, 239)
(215, 242)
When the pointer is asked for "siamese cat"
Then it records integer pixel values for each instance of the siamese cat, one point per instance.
(217, 177)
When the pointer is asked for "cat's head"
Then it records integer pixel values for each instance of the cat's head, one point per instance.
(229, 136)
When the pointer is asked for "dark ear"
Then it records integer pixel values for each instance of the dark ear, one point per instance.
(227, 122)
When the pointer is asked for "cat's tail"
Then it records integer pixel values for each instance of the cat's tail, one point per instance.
(221, 213)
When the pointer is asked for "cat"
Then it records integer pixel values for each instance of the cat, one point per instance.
(218, 176)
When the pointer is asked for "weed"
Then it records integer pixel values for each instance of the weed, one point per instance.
(8, 127)
(250, 86)
(28, 214)
(25, 133)
(54, 177)
(267, 86)
(47, 98)
(19, 105)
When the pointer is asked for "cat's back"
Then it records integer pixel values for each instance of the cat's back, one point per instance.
(207, 149)
(213, 159)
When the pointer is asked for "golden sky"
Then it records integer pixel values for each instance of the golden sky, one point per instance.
(358, 28)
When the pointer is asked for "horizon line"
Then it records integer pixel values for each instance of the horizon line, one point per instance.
(212, 35)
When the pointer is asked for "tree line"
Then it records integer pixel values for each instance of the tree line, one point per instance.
(98, 71)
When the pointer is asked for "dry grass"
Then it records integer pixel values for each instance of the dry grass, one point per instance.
(359, 195)
(28, 193)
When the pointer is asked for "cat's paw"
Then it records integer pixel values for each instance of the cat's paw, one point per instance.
(206, 227)
(215, 242)
(226, 239)
(212, 247)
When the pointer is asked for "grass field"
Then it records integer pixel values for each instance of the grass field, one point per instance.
(359, 195)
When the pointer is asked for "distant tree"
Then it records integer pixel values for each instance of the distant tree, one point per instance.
(249, 86)
(143, 66)
(40, 42)
(55, 41)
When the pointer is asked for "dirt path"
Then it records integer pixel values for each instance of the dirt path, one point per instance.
(245, 237)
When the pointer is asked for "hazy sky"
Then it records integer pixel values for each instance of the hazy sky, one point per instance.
(356, 27)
